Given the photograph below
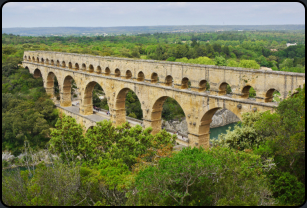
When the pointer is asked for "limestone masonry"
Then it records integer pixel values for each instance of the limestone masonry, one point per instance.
(154, 81)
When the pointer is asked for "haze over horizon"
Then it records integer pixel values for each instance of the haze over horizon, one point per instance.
(126, 14)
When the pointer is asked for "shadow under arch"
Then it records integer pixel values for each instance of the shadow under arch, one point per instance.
(269, 95)
(91, 127)
(247, 92)
(156, 113)
(224, 89)
(141, 77)
(69, 88)
(120, 105)
(52, 87)
(203, 86)
(37, 73)
(154, 78)
(169, 80)
(204, 127)
(128, 74)
(185, 83)
(87, 99)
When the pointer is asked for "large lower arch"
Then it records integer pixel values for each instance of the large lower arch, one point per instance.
(204, 128)
(120, 106)
(156, 113)
(87, 100)
(67, 91)
(37, 73)
(50, 86)
(206, 119)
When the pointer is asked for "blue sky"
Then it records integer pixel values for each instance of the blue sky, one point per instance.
(112, 14)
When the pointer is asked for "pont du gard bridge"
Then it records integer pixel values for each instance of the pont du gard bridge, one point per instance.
(154, 81)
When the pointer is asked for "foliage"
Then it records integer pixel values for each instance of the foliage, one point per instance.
(219, 176)
(286, 188)
(285, 133)
(240, 179)
(249, 64)
(243, 136)
(27, 111)
(180, 180)
(104, 141)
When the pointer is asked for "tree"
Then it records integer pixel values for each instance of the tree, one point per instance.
(252, 64)
(284, 132)
(220, 61)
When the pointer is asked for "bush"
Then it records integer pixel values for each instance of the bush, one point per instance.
(286, 188)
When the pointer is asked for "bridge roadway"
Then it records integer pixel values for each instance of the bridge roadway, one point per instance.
(90, 120)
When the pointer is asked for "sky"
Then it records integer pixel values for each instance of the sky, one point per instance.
(113, 14)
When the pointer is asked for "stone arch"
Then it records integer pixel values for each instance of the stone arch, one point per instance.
(156, 113)
(87, 100)
(223, 88)
(154, 78)
(90, 68)
(29, 58)
(117, 73)
(28, 69)
(269, 95)
(185, 83)
(57, 63)
(169, 80)
(25, 58)
(50, 84)
(90, 127)
(37, 60)
(52, 62)
(42, 60)
(98, 70)
(67, 91)
(47, 61)
(246, 91)
(128, 74)
(33, 59)
(69, 65)
(76, 66)
(120, 105)
(83, 67)
(202, 86)
(205, 121)
(37, 73)
(107, 71)
(63, 64)
(141, 77)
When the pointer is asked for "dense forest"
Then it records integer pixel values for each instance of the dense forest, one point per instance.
(260, 162)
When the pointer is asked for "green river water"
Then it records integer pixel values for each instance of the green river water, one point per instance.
(214, 132)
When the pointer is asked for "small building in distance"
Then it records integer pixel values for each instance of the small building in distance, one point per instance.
(290, 44)
(273, 50)
(265, 68)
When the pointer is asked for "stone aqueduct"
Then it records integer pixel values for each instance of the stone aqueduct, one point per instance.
(154, 81)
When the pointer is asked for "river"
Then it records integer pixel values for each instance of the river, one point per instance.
(214, 132)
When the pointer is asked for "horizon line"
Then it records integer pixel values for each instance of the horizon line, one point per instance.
(152, 26)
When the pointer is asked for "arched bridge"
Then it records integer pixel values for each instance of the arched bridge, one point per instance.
(154, 81)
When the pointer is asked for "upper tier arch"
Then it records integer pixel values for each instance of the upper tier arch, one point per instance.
(237, 78)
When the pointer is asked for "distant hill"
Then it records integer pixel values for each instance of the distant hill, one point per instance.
(93, 31)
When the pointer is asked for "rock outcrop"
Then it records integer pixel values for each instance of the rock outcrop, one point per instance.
(222, 117)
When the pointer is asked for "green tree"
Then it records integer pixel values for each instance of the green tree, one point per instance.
(251, 64)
